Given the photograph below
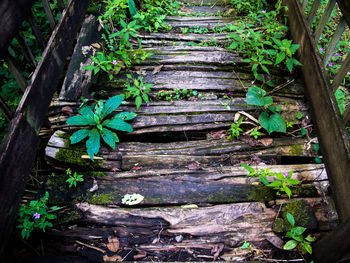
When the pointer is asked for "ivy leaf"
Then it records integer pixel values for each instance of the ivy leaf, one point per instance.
(291, 244)
(125, 116)
(272, 123)
(93, 143)
(256, 96)
(109, 137)
(79, 136)
(118, 124)
(111, 105)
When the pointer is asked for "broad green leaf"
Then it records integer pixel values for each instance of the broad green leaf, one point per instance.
(264, 180)
(80, 120)
(310, 238)
(118, 124)
(109, 137)
(272, 123)
(138, 102)
(280, 57)
(111, 105)
(299, 230)
(291, 244)
(267, 71)
(289, 64)
(247, 167)
(145, 97)
(307, 247)
(280, 176)
(256, 96)
(290, 219)
(132, 7)
(275, 183)
(89, 67)
(79, 136)
(288, 191)
(88, 113)
(93, 143)
(125, 116)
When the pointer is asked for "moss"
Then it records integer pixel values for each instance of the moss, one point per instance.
(261, 194)
(101, 199)
(95, 173)
(302, 214)
(69, 216)
(297, 150)
(73, 156)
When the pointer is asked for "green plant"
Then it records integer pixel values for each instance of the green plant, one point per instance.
(255, 133)
(296, 233)
(235, 130)
(73, 179)
(139, 90)
(34, 215)
(178, 94)
(282, 181)
(269, 119)
(285, 51)
(98, 124)
(246, 245)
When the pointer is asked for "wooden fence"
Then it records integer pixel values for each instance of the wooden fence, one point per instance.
(20, 145)
(331, 125)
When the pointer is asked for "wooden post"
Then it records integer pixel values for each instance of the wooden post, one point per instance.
(26, 50)
(344, 69)
(48, 12)
(324, 19)
(36, 31)
(16, 72)
(5, 110)
(21, 142)
(333, 139)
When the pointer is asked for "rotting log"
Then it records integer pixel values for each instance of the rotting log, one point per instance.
(334, 142)
(21, 143)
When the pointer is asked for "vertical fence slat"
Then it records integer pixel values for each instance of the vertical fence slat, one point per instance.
(49, 14)
(36, 31)
(344, 69)
(324, 19)
(26, 49)
(5, 110)
(313, 11)
(346, 115)
(17, 74)
(304, 5)
(335, 39)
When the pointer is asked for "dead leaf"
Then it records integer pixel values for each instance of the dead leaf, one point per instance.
(115, 169)
(140, 254)
(96, 45)
(136, 168)
(266, 141)
(218, 135)
(276, 241)
(249, 140)
(94, 186)
(237, 115)
(113, 244)
(67, 110)
(194, 165)
(114, 258)
(157, 69)
(185, 10)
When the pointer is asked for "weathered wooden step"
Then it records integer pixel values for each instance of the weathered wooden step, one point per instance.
(171, 155)
(202, 10)
(205, 2)
(161, 38)
(190, 22)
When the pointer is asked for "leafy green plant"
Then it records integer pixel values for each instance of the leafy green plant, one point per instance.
(99, 124)
(296, 233)
(255, 133)
(246, 245)
(139, 90)
(73, 179)
(235, 130)
(282, 181)
(35, 215)
(269, 119)
(178, 94)
(285, 51)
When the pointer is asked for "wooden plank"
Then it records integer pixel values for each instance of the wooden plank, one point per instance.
(334, 42)
(26, 49)
(334, 142)
(48, 13)
(334, 246)
(15, 71)
(21, 143)
(12, 14)
(206, 10)
(36, 31)
(313, 11)
(324, 19)
(5, 110)
(344, 69)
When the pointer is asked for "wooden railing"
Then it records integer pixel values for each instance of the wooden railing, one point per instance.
(20, 145)
(331, 125)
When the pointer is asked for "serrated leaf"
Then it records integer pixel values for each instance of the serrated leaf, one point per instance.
(109, 137)
(280, 57)
(111, 105)
(138, 102)
(79, 136)
(272, 123)
(290, 219)
(256, 96)
(125, 116)
(291, 244)
(93, 143)
(118, 124)
(288, 191)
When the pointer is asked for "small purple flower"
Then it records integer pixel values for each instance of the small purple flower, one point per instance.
(248, 80)
(337, 55)
(331, 64)
(262, 18)
(286, 174)
(115, 30)
(264, 11)
(229, 93)
(36, 216)
(321, 49)
(114, 62)
(147, 105)
(143, 87)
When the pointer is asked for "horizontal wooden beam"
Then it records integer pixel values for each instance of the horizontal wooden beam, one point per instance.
(333, 140)
(21, 143)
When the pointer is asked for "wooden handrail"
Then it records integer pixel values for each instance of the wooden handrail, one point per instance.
(21, 143)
